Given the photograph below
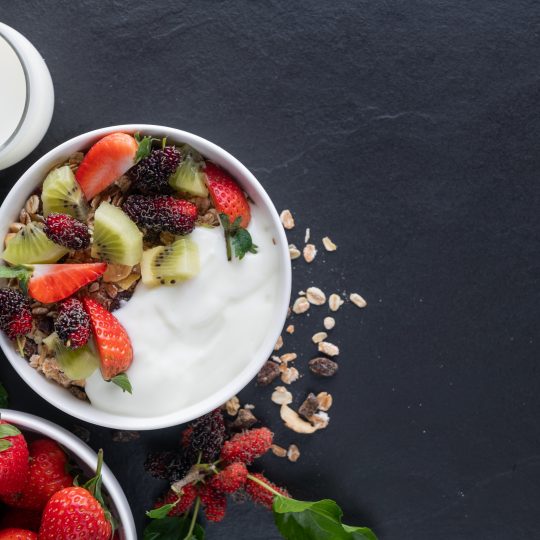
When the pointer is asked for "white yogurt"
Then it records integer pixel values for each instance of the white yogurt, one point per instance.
(190, 338)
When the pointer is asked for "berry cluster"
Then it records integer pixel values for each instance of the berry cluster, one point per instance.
(151, 174)
(67, 231)
(15, 314)
(220, 468)
(73, 323)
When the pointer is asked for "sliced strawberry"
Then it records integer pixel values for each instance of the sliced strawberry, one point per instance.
(54, 282)
(227, 195)
(105, 162)
(111, 339)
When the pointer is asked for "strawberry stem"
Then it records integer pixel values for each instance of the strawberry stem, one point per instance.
(193, 519)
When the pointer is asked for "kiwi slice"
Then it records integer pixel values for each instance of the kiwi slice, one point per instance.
(77, 364)
(189, 178)
(31, 245)
(61, 193)
(116, 238)
(167, 265)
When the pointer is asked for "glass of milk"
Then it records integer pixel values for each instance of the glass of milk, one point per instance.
(26, 97)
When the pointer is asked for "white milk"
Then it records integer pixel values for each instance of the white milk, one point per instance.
(191, 338)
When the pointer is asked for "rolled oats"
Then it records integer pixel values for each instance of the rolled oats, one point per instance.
(318, 337)
(307, 235)
(294, 252)
(315, 296)
(301, 305)
(329, 323)
(325, 401)
(320, 420)
(32, 205)
(232, 406)
(287, 219)
(309, 252)
(288, 357)
(290, 329)
(293, 453)
(279, 344)
(289, 375)
(357, 300)
(328, 348)
(281, 396)
(335, 302)
(328, 244)
(293, 421)
(278, 450)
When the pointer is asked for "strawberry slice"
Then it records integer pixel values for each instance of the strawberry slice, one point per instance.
(111, 339)
(227, 195)
(54, 282)
(105, 162)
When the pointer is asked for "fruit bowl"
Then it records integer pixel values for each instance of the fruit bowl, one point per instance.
(225, 384)
(85, 458)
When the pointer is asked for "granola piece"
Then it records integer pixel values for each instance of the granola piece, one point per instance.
(335, 302)
(329, 323)
(318, 337)
(293, 453)
(328, 348)
(315, 296)
(293, 421)
(357, 300)
(278, 450)
(320, 420)
(281, 396)
(324, 367)
(309, 252)
(79, 393)
(245, 419)
(268, 373)
(325, 401)
(32, 205)
(294, 252)
(287, 219)
(232, 406)
(328, 244)
(290, 329)
(116, 272)
(290, 375)
(279, 344)
(307, 235)
(288, 357)
(301, 305)
(309, 407)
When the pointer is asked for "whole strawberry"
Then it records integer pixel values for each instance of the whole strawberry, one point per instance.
(247, 446)
(77, 513)
(73, 323)
(67, 231)
(17, 534)
(15, 314)
(13, 459)
(47, 475)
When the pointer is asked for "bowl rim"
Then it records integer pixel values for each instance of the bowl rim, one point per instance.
(84, 410)
(83, 452)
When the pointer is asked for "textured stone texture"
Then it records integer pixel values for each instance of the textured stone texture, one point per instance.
(406, 130)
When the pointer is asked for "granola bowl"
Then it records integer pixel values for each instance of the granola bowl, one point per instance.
(193, 342)
(84, 458)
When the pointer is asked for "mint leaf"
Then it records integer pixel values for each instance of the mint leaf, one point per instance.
(320, 520)
(172, 528)
(18, 272)
(243, 243)
(122, 381)
(162, 511)
(3, 397)
(145, 146)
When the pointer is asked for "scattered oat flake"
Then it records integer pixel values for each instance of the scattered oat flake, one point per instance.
(328, 244)
(309, 252)
(232, 406)
(294, 252)
(288, 357)
(318, 337)
(325, 401)
(328, 348)
(293, 453)
(329, 323)
(293, 421)
(290, 329)
(287, 219)
(281, 396)
(335, 302)
(278, 450)
(301, 305)
(249, 406)
(301, 293)
(307, 235)
(290, 375)
(320, 420)
(279, 344)
(357, 300)
(315, 296)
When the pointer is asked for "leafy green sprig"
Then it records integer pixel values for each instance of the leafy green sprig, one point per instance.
(236, 237)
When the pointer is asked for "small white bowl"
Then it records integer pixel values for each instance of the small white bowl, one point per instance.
(85, 457)
(60, 397)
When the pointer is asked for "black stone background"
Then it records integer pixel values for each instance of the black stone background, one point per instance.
(409, 132)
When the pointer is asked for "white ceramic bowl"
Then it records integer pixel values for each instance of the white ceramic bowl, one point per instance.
(85, 457)
(60, 397)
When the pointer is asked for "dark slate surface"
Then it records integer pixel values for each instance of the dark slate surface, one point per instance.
(408, 131)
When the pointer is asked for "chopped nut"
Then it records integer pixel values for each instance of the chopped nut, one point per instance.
(278, 450)
(294, 252)
(357, 300)
(323, 367)
(290, 375)
(315, 296)
(245, 419)
(328, 348)
(287, 219)
(290, 329)
(301, 305)
(116, 272)
(329, 323)
(232, 406)
(325, 400)
(281, 396)
(310, 251)
(328, 244)
(307, 235)
(32, 204)
(320, 420)
(309, 407)
(268, 373)
(294, 422)
(279, 344)
(288, 357)
(335, 302)
(293, 453)
(319, 336)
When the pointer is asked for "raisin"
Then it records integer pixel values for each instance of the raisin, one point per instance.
(268, 373)
(323, 366)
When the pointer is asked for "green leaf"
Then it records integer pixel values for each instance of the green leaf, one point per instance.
(321, 520)
(243, 243)
(18, 272)
(3, 397)
(162, 511)
(145, 146)
(122, 381)
(4, 444)
(172, 528)
(7, 430)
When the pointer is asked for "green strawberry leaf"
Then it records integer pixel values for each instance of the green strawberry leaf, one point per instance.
(162, 511)
(4, 444)
(243, 243)
(172, 528)
(122, 381)
(21, 273)
(145, 146)
(320, 520)
(7, 430)
(3, 397)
